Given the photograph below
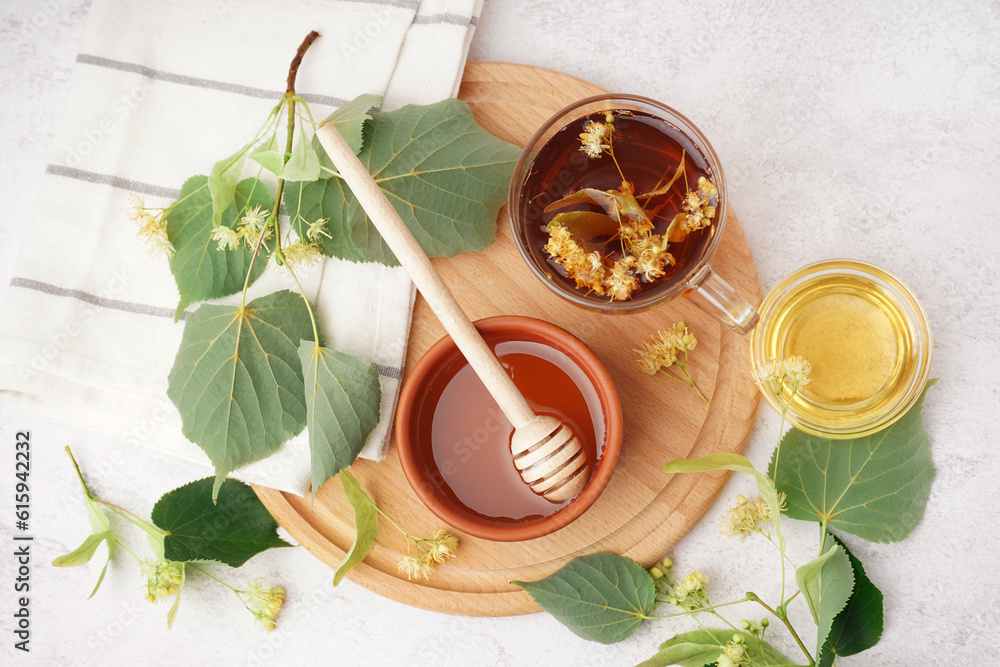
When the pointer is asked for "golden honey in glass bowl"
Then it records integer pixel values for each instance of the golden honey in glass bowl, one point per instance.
(866, 337)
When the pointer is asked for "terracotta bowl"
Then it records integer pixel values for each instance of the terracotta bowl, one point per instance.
(417, 403)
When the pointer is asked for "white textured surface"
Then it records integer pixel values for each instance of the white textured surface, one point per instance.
(857, 129)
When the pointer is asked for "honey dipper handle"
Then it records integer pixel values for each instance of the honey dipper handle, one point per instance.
(413, 258)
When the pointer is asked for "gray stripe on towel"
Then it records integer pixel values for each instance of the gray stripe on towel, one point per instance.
(455, 19)
(113, 181)
(139, 308)
(93, 299)
(197, 82)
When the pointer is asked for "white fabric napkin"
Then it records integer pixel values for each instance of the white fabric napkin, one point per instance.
(159, 93)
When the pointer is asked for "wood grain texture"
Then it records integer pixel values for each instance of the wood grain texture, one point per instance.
(643, 512)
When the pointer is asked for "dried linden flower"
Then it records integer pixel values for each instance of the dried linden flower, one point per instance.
(621, 283)
(152, 228)
(414, 567)
(443, 546)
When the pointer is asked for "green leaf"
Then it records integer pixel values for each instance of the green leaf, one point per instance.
(303, 164)
(444, 175)
(172, 614)
(349, 121)
(237, 380)
(874, 487)
(232, 531)
(602, 597)
(268, 156)
(342, 407)
(83, 553)
(858, 626)
(222, 181)
(826, 583)
(201, 270)
(703, 647)
(736, 463)
(365, 525)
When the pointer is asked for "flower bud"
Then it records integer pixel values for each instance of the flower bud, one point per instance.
(738, 638)
(764, 623)
(667, 563)
(656, 573)
(745, 624)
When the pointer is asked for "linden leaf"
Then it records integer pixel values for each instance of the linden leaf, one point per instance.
(445, 176)
(349, 121)
(237, 380)
(342, 407)
(858, 626)
(826, 583)
(703, 647)
(365, 525)
(203, 271)
(602, 597)
(616, 203)
(586, 225)
(222, 181)
(232, 530)
(875, 487)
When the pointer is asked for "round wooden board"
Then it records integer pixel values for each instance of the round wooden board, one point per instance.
(643, 512)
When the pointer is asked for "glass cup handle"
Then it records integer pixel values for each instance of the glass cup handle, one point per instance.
(714, 295)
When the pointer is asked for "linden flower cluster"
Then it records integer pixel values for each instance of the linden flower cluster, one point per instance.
(430, 553)
(749, 516)
(643, 256)
(734, 653)
(162, 579)
(596, 137)
(662, 351)
(152, 228)
(264, 601)
(689, 593)
(774, 374)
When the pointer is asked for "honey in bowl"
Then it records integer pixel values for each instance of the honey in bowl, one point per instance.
(466, 438)
(865, 336)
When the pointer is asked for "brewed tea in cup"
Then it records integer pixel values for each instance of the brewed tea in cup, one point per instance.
(618, 203)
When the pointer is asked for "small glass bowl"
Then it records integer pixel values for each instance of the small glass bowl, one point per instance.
(874, 288)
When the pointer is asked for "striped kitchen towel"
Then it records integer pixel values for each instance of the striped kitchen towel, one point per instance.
(159, 93)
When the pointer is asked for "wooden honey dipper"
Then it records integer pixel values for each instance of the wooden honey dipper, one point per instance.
(547, 454)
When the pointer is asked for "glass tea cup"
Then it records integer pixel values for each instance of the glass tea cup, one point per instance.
(552, 166)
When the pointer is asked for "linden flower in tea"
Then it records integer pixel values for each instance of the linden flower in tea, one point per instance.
(615, 253)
